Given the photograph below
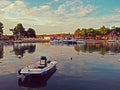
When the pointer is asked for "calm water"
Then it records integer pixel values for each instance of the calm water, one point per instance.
(80, 67)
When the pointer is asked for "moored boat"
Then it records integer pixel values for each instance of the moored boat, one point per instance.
(56, 41)
(69, 41)
(81, 41)
(17, 41)
(39, 68)
(111, 40)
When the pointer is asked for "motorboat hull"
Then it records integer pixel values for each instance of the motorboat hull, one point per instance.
(32, 70)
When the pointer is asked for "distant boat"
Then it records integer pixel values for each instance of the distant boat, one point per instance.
(41, 67)
(70, 41)
(17, 41)
(56, 41)
(80, 41)
(111, 40)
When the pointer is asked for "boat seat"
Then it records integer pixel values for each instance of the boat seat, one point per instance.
(36, 70)
(41, 66)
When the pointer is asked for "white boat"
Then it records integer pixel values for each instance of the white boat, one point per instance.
(41, 67)
(18, 41)
(69, 41)
(111, 40)
(56, 41)
(80, 41)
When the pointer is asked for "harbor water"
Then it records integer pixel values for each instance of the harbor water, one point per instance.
(79, 66)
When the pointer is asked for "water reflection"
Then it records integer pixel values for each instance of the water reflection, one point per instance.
(20, 49)
(105, 48)
(83, 71)
(77, 48)
(35, 81)
(1, 51)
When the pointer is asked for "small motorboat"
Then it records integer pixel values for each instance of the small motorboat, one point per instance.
(41, 67)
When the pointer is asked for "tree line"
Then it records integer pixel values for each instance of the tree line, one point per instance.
(1, 28)
(19, 31)
(102, 31)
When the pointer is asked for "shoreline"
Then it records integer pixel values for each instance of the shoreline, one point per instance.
(36, 40)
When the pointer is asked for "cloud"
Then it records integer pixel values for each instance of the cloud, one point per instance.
(67, 10)
(67, 16)
(17, 5)
(4, 3)
(1, 12)
(56, 0)
(45, 7)
(14, 10)
(97, 22)
(117, 10)
(73, 10)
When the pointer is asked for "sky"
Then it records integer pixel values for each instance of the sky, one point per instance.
(59, 16)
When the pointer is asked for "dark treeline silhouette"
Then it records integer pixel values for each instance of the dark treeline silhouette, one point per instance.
(19, 31)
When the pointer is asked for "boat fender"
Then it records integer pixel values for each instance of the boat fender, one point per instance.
(19, 71)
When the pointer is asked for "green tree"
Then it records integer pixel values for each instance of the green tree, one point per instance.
(31, 32)
(103, 30)
(77, 33)
(97, 32)
(91, 32)
(116, 30)
(83, 32)
(1, 29)
(1, 51)
(19, 30)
